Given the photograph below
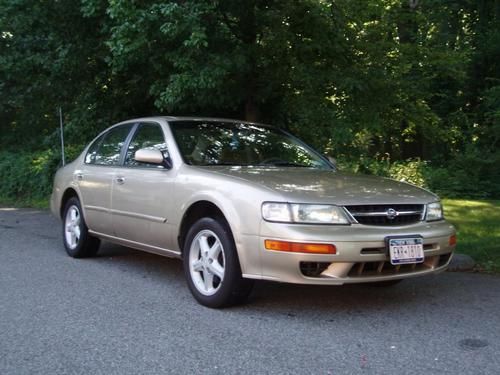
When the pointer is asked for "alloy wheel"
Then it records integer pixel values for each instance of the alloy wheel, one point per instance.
(72, 229)
(207, 262)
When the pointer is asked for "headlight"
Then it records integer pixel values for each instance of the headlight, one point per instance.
(434, 211)
(304, 213)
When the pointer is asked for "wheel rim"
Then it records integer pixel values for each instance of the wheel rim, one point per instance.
(72, 228)
(207, 262)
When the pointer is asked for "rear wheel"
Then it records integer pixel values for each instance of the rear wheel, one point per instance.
(211, 265)
(76, 238)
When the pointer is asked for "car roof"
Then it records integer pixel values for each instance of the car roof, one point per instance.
(191, 118)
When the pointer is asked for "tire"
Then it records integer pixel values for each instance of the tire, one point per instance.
(211, 265)
(76, 238)
(384, 284)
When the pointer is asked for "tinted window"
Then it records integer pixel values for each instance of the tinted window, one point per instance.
(148, 136)
(227, 143)
(107, 148)
(92, 152)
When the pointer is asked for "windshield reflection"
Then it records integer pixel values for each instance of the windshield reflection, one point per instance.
(239, 144)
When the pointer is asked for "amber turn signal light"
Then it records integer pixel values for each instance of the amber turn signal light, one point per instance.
(453, 240)
(297, 247)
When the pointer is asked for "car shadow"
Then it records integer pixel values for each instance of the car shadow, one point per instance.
(346, 297)
(290, 299)
(154, 267)
(108, 249)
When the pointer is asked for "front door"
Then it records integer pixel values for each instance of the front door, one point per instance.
(141, 194)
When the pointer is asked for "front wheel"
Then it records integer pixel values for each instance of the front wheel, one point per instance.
(76, 238)
(211, 265)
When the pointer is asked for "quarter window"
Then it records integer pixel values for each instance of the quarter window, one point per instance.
(106, 150)
(90, 158)
(148, 136)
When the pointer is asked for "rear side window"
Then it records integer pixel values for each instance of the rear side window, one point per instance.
(148, 136)
(92, 152)
(106, 150)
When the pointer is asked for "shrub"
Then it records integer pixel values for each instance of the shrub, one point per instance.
(471, 175)
(26, 177)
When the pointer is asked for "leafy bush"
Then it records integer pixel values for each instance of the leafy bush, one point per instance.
(471, 175)
(27, 176)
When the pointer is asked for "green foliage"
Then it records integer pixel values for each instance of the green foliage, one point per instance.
(469, 176)
(412, 171)
(478, 230)
(26, 176)
(375, 83)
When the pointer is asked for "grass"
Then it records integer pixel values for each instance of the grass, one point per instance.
(478, 230)
(41, 203)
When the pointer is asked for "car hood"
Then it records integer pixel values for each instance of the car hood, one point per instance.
(327, 186)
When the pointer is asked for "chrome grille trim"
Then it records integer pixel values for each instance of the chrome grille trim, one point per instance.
(386, 214)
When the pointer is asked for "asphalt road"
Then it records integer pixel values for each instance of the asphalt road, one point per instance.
(127, 312)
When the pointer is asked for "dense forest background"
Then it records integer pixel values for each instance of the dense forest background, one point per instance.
(403, 88)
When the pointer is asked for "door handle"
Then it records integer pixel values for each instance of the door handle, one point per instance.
(120, 180)
(79, 176)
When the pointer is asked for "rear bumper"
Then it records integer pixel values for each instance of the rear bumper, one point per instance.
(361, 253)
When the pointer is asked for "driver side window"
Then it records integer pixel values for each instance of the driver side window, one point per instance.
(149, 136)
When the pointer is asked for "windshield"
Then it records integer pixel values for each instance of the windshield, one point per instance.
(228, 143)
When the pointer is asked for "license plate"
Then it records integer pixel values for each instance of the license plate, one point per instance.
(406, 250)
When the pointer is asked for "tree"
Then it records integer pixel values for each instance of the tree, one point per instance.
(382, 79)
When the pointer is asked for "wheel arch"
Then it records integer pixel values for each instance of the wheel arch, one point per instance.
(196, 211)
(67, 195)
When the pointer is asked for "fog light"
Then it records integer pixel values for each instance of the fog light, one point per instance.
(297, 247)
(453, 240)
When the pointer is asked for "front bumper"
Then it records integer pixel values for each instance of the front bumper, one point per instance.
(361, 253)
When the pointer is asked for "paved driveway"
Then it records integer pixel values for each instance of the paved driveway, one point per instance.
(127, 312)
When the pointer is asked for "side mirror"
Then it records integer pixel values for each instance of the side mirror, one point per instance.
(145, 155)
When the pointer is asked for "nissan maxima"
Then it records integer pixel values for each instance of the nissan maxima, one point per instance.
(240, 201)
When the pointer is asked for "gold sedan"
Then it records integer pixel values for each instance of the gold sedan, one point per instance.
(241, 201)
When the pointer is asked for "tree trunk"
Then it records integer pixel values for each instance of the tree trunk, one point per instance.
(248, 24)
(251, 110)
(407, 32)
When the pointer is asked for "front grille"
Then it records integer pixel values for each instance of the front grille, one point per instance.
(386, 214)
(378, 268)
(385, 268)
(382, 268)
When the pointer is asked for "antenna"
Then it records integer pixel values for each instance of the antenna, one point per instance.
(62, 136)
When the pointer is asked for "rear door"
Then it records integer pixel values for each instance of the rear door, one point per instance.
(96, 175)
(142, 193)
